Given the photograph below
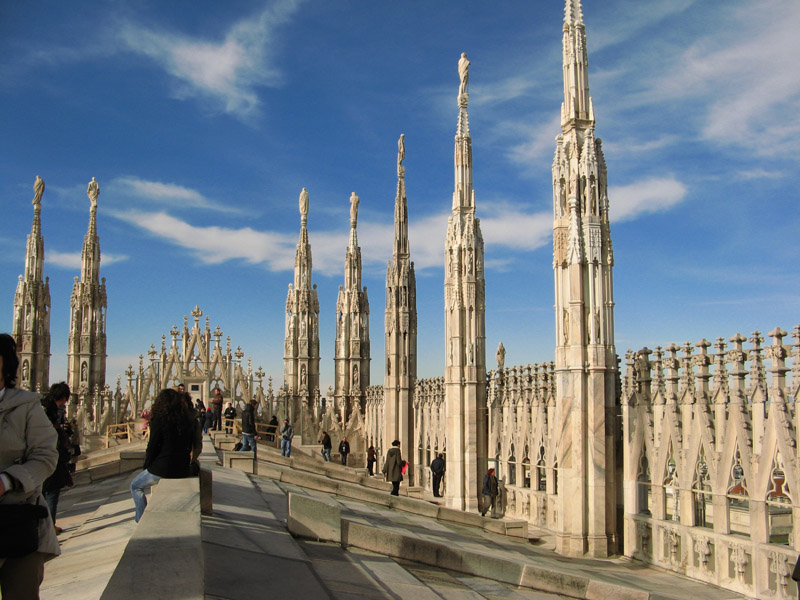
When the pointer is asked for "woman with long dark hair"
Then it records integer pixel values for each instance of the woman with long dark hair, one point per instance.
(175, 443)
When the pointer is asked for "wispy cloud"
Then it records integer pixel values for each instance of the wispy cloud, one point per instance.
(636, 16)
(170, 193)
(72, 260)
(214, 244)
(746, 83)
(227, 72)
(656, 194)
(539, 141)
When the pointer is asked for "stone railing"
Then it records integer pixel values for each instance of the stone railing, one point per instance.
(711, 480)
(521, 402)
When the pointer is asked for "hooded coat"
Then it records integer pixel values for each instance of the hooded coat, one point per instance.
(393, 467)
(28, 454)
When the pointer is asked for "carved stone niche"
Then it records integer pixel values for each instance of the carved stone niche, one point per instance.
(643, 534)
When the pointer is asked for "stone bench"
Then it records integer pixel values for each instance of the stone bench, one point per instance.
(164, 556)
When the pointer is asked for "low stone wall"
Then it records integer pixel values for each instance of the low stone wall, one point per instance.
(320, 518)
(164, 556)
(356, 484)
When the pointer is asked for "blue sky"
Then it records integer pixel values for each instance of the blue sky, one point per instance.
(203, 120)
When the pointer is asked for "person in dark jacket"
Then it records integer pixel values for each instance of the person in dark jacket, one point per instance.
(371, 460)
(230, 415)
(489, 493)
(437, 468)
(326, 446)
(393, 467)
(344, 450)
(272, 429)
(54, 404)
(175, 442)
(249, 427)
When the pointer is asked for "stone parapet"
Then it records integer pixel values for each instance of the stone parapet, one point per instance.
(169, 533)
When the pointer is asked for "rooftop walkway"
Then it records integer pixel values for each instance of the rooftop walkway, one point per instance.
(249, 553)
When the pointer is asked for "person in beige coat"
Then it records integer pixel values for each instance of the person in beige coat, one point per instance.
(28, 456)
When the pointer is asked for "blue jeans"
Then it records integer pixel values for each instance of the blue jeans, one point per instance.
(142, 481)
(51, 498)
(326, 454)
(248, 442)
(286, 447)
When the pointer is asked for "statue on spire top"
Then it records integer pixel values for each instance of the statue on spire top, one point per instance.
(353, 209)
(463, 73)
(304, 203)
(93, 192)
(38, 190)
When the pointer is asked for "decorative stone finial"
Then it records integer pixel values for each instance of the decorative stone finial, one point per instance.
(38, 190)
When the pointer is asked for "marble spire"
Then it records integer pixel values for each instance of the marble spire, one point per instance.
(301, 344)
(86, 353)
(465, 326)
(584, 310)
(401, 332)
(352, 352)
(31, 326)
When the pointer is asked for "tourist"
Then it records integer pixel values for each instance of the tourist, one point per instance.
(208, 420)
(54, 404)
(371, 460)
(326, 446)
(181, 387)
(437, 468)
(344, 450)
(393, 467)
(489, 493)
(216, 404)
(287, 433)
(28, 456)
(230, 415)
(175, 443)
(200, 411)
(249, 427)
(272, 429)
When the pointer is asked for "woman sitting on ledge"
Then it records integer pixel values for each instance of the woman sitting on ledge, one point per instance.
(173, 448)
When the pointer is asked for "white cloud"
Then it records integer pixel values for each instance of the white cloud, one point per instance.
(656, 194)
(227, 71)
(72, 260)
(745, 78)
(174, 194)
(539, 142)
(214, 244)
(635, 16)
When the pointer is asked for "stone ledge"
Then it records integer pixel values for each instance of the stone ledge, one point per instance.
(315, 518)
(240, 461)
(164, 556)
(484, 565)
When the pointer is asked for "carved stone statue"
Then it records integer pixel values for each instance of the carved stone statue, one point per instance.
(463, 73)
(401, 149)
(353, 209)
(304, 203)
(93, 191)
(38, 190)
(501, 356)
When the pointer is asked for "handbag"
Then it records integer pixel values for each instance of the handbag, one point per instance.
(19, 529)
